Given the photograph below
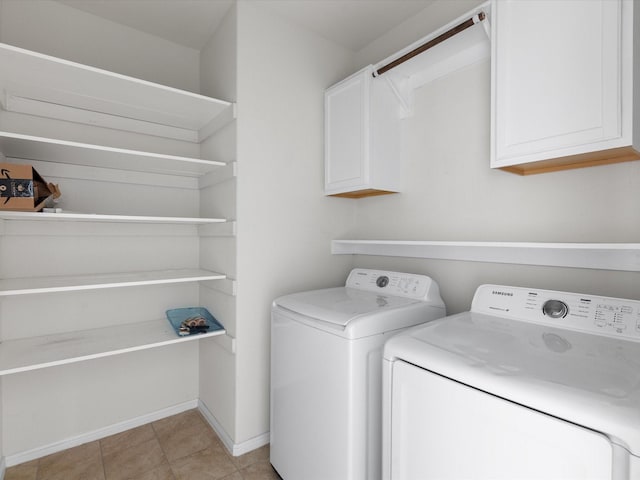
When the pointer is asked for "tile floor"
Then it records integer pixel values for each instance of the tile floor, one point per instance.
(181, 447)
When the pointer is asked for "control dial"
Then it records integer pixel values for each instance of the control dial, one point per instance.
(382, 281)
(555, 309)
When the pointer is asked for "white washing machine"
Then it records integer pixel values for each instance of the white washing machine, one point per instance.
(530, 384)
(326, 371)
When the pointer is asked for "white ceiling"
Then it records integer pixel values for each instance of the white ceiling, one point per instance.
(350, 23)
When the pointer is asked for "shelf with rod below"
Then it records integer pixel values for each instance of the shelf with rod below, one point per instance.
(95, 217)
(23, 355)
(70, 283)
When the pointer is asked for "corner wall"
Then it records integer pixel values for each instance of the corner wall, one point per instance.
(285, 223)
(218, 372)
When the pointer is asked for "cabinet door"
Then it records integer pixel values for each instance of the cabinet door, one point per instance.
(347, 133)
(557, 79)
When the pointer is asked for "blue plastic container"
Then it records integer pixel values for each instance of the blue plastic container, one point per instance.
(178, 315)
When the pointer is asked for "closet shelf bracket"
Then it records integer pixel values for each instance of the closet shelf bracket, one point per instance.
(226, 341)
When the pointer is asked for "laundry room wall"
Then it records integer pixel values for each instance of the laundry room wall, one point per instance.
(285, 223)
(218, 78)
(54, 29)
(451, 194)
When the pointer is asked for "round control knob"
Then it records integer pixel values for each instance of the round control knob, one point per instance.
(555, 309)
(382, 281)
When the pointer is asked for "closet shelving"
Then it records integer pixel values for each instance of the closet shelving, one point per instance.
(48, 89)
(37, 84)
(69, 283)
(75, 153)
(23, 355)
(93, 217)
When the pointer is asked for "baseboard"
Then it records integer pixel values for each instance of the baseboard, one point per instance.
(29, 455)
(3, 468)
(236, 449)
(251, 444)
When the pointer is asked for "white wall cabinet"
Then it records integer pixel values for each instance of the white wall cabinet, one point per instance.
(94, 281)
(563, 94)
(363, 144)
(362, 137)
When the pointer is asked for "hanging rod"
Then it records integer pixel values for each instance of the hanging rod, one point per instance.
(432, 43)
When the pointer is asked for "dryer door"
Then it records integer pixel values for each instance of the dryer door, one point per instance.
(441, 429)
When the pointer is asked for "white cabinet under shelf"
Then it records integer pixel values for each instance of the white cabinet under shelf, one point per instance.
(362, 137)
(563, 89)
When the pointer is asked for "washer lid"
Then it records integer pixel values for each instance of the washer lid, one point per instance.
(590, 380)
(340, 305)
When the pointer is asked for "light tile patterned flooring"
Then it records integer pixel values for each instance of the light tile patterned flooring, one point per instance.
(181, 447)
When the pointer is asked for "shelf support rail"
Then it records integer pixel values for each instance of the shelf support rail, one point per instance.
(477, 18)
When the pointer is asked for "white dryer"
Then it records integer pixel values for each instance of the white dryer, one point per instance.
(530, 384)
(326, 371)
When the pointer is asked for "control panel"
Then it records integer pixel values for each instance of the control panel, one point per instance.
(604, 315)
(409, 285)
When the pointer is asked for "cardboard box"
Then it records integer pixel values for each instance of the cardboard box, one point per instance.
(23, 189)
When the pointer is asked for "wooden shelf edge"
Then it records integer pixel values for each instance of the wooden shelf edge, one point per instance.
(367, 192)
(599, 256)
(590, 159)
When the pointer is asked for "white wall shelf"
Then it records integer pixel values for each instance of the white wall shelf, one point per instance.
(32, 285)
(34, 353)
(38, 84)
(600, 256)
(30, 147)
(93, 217)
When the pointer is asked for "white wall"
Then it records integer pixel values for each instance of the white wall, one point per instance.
(55, 29)
(285, 223)
(217, 366)
(451, 194)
